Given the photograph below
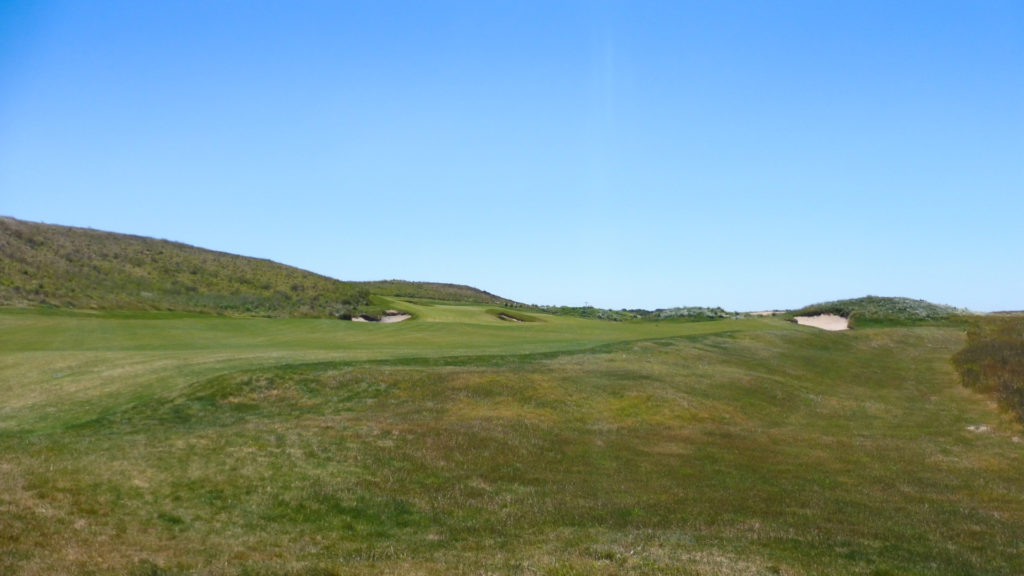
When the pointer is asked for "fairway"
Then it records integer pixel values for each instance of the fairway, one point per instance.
(456, 442)
(60, 366)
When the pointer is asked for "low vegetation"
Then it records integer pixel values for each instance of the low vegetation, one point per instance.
(992, 362)
(884, 311)
(512, 315)
(685, 313)
(590, 312)
(432, 291)
(66, 267)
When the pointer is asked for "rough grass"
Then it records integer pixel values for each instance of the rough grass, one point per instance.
(992, 362)
(512, 315)
(880, 311)
(66, 267)
(42, 264)
(741, 451)
(432, 291)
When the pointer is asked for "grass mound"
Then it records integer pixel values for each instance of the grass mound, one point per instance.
(66, 267)
(512, 315)
(61, 266)
(436, 291)
(879, 310)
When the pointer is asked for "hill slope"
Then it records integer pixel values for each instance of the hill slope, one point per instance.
(82, 268)
(45, 264)
(432, 291)
(870, 310)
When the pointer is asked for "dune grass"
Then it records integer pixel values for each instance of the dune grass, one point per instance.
(881, 311)
(66, 267)
(459, 443)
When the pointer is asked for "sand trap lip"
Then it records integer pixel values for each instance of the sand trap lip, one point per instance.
(389, 317)
(824, 321)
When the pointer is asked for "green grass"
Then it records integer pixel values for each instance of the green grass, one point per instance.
(61, 266)
(431, 291)
(460, 443)
(512, 315)
(66, 267)
(79, 363)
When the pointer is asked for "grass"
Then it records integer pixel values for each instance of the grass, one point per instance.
(80, 363)
(882, 311)
(432, 291)
(460, 443)
(60, 266)
(993, 360)
(66, 267)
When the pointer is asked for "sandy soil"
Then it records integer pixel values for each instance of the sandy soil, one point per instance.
(824, 321)
(395, 318)
(388, 318)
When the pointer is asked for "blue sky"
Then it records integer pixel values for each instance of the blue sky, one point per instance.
(749, 155)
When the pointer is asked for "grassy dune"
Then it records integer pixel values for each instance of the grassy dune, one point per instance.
(878, 311)
(459, 443)
(78, 268)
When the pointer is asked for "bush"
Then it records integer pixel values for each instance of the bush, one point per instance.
(992, 362)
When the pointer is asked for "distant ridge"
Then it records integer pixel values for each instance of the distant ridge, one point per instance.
(432, 291)
(68, 267)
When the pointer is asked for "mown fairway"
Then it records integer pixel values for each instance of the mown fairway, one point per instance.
(458, 443)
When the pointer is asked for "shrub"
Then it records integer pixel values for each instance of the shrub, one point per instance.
(992, 362)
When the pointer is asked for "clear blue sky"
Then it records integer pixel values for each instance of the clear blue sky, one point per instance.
(749, 155)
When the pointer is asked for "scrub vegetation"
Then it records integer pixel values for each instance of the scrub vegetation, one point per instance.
(66, 267)
(993, 360)
(686, 312)
(154, 442)
(885, 311)
(69, 267)
(436, 291)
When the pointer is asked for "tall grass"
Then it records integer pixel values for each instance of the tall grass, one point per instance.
(431, 291)
(68, 267)
(992, 362)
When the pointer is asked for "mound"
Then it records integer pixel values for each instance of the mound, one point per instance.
(881, 310)
(44, 264)
(63, 266)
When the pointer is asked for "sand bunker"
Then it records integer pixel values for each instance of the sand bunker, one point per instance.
(389, 317)
(824, 321)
